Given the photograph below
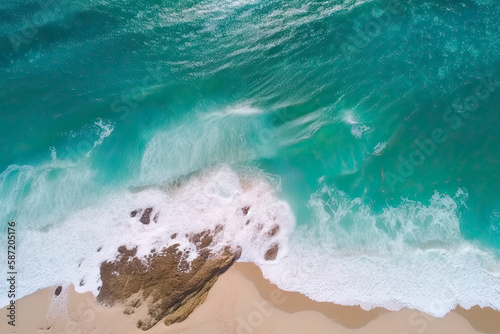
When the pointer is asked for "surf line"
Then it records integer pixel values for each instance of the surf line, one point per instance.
(455, 117)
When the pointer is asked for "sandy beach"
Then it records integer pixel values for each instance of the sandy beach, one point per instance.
(241, 302)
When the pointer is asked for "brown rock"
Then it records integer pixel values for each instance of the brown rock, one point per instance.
(272, 232)
(202, 240)
(122, 249)
(164, 283)
(135, 212)
(271, 253)
(218, 229)
(146, 216)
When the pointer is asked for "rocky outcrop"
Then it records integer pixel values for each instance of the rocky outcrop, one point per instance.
(164, 286)
(146, 215)
(172, 280)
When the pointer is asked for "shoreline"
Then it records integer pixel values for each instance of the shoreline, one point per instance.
(242, 301)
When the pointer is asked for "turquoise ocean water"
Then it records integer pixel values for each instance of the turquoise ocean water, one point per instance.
(376, 121)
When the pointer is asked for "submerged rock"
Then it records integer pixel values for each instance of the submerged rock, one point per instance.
(245, 210)
(135, 212)
(274, 231)
(272, 253)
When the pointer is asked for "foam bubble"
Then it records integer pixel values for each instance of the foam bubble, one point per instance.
(379, 148)
(358, 130)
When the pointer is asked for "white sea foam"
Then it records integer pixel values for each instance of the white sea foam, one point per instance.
(104, 129)
(42, 195)
(411, 256)
(349, 118)
(243, 109)
(379, 148)
(358, 130)
(226, 136)
(84, 142)
(72, 251)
